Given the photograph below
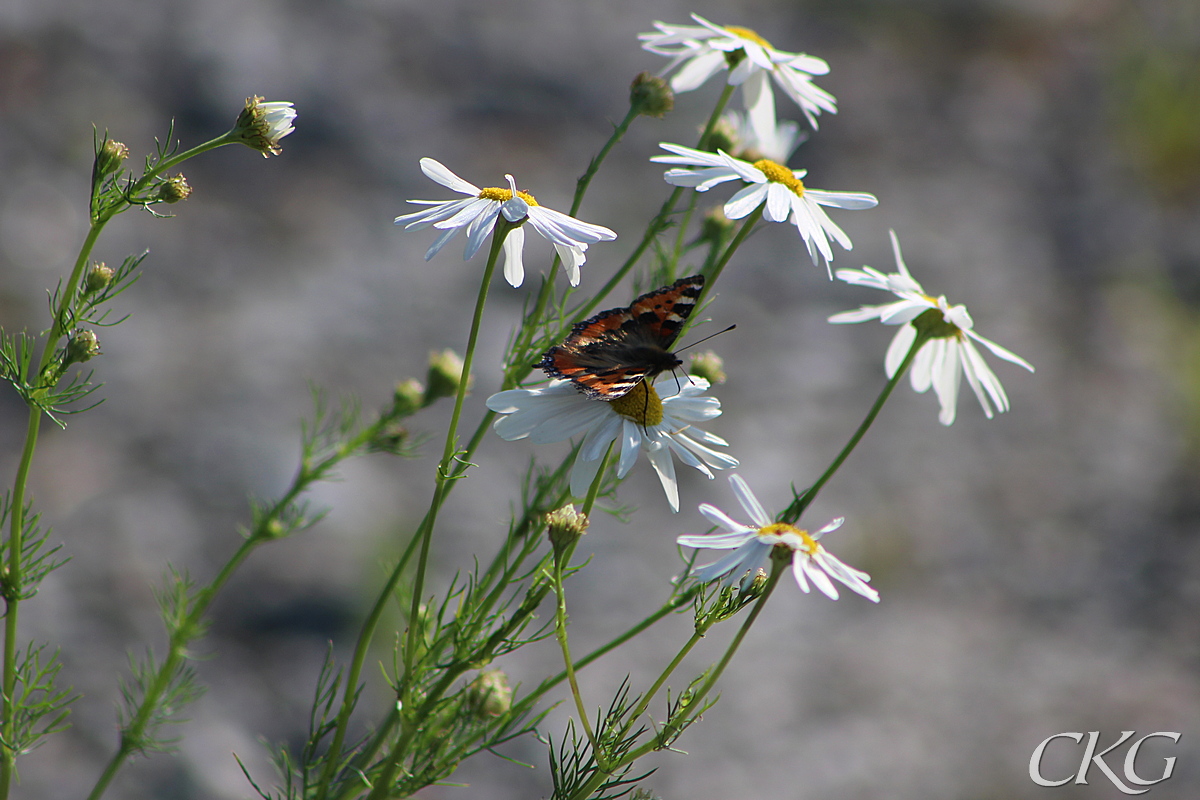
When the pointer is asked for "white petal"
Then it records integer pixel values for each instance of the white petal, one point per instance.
(718, 517)
(572, 258)
(718, 541)
(631, 443)
(758, 514)
(849, 200)
(514, 266)
(1001, 352)
(902, 342)
(746, 200)
(436, 171)
(695, 72)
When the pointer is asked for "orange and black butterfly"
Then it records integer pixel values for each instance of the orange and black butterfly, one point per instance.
(609, 354)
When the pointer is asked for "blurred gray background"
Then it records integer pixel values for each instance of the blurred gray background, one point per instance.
(1040, 161)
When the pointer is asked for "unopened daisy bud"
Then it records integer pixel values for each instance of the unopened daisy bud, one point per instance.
(724, 136)
(261, 125)
(708, 365)
(98, 277)
(173, 189)
(650, 95)
(109, 158)
(565, 526)
(82, 346)
(755, 586)
(715, 228)
(408, 398)
(445, 375)
(489, 695)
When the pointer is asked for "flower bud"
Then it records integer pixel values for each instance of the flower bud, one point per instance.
(109, 158)
(407, 398)
(489, 695)
(565, 526)
(173, 189)
(82, 345)
(98, 277)
(445, 375)
(715, 228)
(261, 125)
(650, 95)
(724, 136)
(708, 365)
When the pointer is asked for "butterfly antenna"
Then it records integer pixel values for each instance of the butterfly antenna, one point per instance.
(706, 338)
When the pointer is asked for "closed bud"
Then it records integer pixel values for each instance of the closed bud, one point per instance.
(715, 228)
(489, 695)
(98, 277)
(408, 398)
(565, 526)
(755, 586)
(109, 158)
(82, 346)
(261, 125)
(724, 136)
(445, 375)
(650, 95)
(173, 189)
(708, 365)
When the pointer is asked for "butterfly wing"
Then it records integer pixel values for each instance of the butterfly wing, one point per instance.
(609, 354)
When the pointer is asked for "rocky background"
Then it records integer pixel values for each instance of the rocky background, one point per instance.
(1040, 161)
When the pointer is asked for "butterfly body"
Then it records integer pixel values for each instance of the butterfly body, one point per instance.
(609, 354)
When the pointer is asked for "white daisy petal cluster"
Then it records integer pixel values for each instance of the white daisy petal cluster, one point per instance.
(749, 144)
(660, 421)
(478, 212)
(261, 125)
(701, 51)
(942, 361)
(768, 184)
(752, 545)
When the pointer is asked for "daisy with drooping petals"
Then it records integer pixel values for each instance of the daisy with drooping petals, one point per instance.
(769, 184)
(951, 352)
(704, 50)
(658, 419)
(752, 545)
(478, 214)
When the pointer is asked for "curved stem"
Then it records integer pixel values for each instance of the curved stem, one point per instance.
(792, 513)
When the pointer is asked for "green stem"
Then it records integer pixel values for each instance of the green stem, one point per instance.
(793, 512)
(597, 780)
(447, 473)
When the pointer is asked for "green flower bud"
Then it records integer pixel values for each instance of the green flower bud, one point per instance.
(98, 277)
(489, 695)
(445, 375)
(82, 346)
(724, 136)
(565, 526)
(173, 189)
(109, 158)
(261, 125)
(715, 228)
(708, 365)
(650, 95)
(408, 398)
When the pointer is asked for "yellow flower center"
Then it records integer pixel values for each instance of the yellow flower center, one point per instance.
(504, 195)
(642, 405)
(780, 528)
(777, 173)
(746, 33)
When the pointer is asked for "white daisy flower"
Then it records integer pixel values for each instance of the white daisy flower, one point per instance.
(658, 419)
(771, 184)
(752, 545)
(942, 361)
(478, 213)
(704, 50)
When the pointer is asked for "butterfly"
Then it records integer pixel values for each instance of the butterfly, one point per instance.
(609, 354)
